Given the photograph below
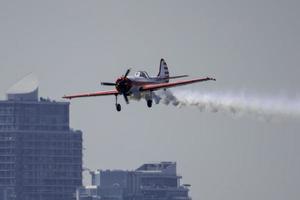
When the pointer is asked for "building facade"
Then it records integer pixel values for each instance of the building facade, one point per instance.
(152, 181)
(40, 156)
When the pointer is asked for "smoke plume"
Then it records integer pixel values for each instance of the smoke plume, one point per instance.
(236, 104)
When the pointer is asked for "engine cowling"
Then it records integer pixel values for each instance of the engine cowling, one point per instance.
(123, 85)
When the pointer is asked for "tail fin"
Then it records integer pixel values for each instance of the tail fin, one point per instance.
(163, 70)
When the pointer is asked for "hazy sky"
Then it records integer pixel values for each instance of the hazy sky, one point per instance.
(249, 46)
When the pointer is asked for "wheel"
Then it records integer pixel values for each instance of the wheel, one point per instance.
(118, 107)
(149, 103)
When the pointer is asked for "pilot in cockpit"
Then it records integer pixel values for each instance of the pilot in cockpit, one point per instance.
(141, 74)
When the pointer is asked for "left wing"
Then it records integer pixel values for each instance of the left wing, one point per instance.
(94, 94)
(158, 86)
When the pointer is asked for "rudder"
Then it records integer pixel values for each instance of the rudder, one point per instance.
(163, 70)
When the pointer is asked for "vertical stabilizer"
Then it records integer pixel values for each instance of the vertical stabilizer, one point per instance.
(163, 70)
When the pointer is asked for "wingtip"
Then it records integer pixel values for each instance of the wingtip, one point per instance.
(212, 79)
(66, 97)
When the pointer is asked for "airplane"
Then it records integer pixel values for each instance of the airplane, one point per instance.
(141, 85)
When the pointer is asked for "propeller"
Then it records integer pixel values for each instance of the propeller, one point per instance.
(127, 72)
(121, 84)
(114, 84)
(108, 83)
(126, 98)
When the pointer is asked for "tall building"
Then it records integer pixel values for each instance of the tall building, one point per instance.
(151, 181)
(40, 156)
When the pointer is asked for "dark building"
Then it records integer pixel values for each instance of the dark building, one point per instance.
(152, 181)
(40, 156)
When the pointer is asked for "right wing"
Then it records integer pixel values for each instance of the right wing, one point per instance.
(94, 94)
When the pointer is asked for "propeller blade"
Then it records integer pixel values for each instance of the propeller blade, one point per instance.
(108, 84)
(127, 72)
(126, 98)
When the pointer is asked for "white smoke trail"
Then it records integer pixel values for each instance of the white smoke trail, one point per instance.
(237, 104)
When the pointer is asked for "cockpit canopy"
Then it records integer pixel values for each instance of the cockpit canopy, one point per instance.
(142, 74)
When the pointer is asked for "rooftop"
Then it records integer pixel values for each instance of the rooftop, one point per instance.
(25, 89)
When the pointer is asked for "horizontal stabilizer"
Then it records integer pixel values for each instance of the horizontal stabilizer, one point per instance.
(173, 77)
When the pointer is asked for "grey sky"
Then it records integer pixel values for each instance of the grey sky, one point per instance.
(250, 46)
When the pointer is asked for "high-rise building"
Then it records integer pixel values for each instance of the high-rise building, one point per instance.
(158, 181)
(40, 156)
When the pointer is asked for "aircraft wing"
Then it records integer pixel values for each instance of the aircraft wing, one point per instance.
(94, 94)
(158, 86)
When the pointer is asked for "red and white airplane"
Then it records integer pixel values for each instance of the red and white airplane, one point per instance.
(141, 85)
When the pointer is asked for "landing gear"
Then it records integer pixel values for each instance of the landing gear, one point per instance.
(149, 103)
(149, 97)
(118, 106)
